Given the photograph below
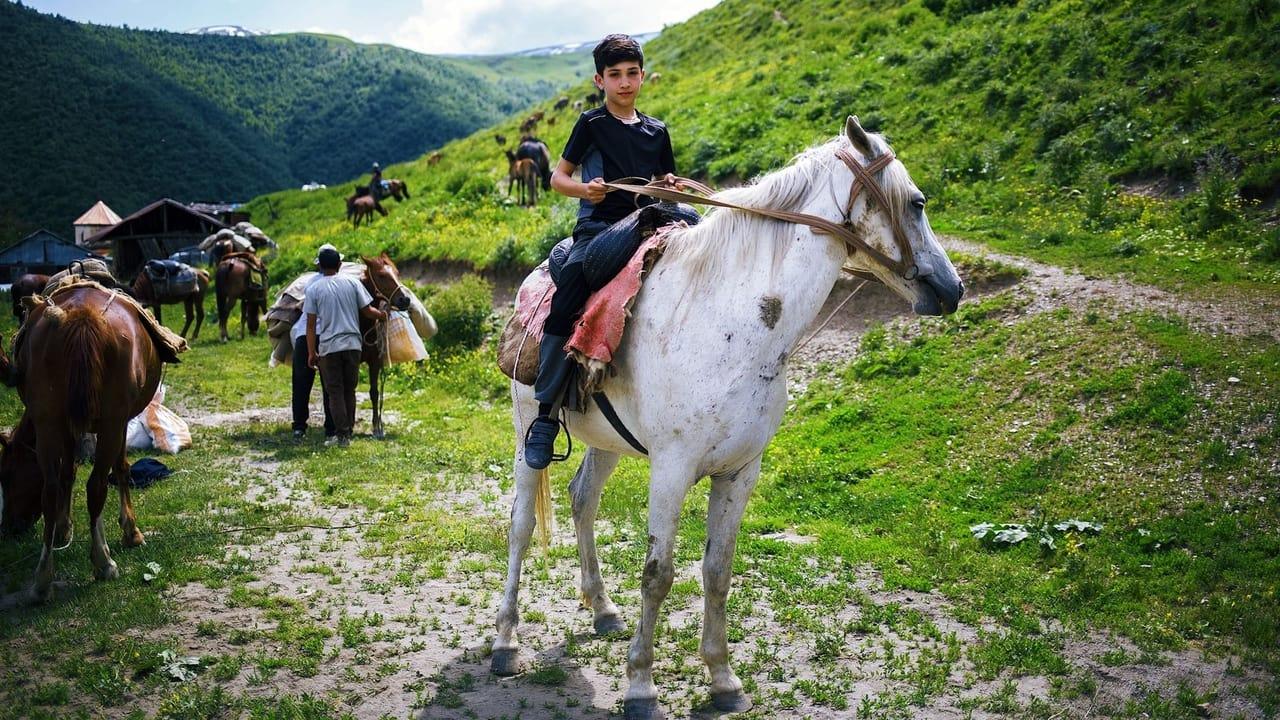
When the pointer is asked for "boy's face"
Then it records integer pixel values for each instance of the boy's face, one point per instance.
(621, 83)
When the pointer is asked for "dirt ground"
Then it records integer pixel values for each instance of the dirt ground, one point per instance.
(428, 656)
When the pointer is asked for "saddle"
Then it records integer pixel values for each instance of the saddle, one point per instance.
(614, 264)
(171, 279)
(89, 268)
(168, 343)
(257, 270)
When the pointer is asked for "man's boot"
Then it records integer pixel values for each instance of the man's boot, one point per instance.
(554, 370)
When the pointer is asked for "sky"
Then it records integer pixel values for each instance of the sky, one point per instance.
(429, 26)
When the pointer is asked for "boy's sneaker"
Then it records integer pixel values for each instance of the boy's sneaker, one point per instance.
(299, 434)
(540, 442)
(332, 441)
(344, 441)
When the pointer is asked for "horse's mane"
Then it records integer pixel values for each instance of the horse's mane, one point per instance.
(734, 241)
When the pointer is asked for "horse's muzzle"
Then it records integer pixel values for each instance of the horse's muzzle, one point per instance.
(939, 296)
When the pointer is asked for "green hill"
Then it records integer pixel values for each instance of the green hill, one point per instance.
(1134, 137)
(128, 116)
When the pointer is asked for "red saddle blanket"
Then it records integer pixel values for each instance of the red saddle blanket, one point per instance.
(597, 334)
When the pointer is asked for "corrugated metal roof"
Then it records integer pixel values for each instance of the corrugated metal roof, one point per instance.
(99, 214)
(41, 248)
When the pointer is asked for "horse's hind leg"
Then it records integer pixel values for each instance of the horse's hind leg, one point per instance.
(110, 448)
(585, 489)
(198, 302)
(244, 315)
(190, 313)
(130, 535)
(729, 495)
(223, 312)
(54, 452)
(506, 647)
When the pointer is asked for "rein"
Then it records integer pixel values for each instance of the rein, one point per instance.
(863, 177)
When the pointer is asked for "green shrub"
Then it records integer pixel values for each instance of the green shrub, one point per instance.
(462, 311)
(1216, 204)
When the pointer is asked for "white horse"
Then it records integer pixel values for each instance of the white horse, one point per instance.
(701, 379)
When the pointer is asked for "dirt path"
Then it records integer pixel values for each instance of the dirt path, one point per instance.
(422, 652)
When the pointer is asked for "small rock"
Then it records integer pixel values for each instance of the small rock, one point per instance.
(1233, 379)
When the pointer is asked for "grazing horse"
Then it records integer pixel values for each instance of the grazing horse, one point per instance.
(193, 302)
(700, 379)
(362, 206)
(243, 277)
(27, 285)
(524, 172)
(382, 280)
(86, 364)
(537, 151)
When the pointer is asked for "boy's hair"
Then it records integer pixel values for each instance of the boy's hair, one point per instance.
(616, 48)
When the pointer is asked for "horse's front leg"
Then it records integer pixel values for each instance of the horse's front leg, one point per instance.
(110, 448)
(224, 312)
(130, 535)
(585, 490)
(669, 482)
(375, 399)
(728, 501)
(506, 646)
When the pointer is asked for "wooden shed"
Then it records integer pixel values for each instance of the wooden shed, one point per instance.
(153, 233)
(40, 252)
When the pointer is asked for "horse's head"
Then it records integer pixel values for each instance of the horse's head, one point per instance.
(887, 212)
(384, 278)
(21, 483)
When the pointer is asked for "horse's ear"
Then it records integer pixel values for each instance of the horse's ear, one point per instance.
(853, 130)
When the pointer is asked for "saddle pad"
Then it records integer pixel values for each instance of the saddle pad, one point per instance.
(596, 335)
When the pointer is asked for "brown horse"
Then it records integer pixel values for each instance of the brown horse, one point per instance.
(193, 302)
(382, 280)
(524, 173)
(25, 286)
(362, 206)
(243, 277)
(86, 364)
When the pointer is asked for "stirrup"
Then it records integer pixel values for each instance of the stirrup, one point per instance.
(552, 457)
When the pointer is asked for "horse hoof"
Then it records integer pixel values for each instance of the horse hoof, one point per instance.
(731, 701)
(137, 539)
(379, 434)
(609, 624)
(106, 572)
(505, 662)
(642, 709)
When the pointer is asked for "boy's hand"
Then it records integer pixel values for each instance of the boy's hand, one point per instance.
(670, 179)
(595, 190)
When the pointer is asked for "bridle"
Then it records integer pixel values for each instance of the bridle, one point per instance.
(863, 176)
(377, 291)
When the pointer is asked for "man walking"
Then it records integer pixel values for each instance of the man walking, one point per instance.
(333, 306)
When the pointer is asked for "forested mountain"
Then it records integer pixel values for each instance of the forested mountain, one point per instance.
(127, 116)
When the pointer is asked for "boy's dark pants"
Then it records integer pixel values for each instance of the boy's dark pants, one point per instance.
(571, 294)
(303, 379)
(339, 372)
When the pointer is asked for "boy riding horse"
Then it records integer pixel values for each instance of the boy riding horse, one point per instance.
(608, 143)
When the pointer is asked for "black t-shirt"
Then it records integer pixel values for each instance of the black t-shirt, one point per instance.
(604, 146)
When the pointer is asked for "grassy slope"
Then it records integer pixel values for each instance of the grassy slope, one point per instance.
(1020, 122)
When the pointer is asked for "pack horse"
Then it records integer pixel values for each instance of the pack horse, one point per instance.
(701, 377)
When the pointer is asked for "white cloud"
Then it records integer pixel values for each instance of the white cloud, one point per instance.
(492, 26)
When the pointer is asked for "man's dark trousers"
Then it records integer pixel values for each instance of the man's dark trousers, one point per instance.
(339, 373)
(303, 379)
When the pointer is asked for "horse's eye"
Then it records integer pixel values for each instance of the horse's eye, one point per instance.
(918, 203)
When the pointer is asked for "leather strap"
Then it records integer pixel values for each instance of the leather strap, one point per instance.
(863, 176)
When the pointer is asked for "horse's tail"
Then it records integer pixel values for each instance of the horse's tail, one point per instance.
(85, 336)
(543, 510)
